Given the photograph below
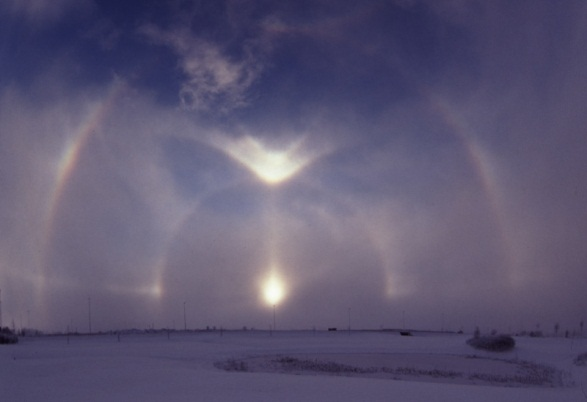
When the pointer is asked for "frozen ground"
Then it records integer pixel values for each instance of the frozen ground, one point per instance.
(288, 366)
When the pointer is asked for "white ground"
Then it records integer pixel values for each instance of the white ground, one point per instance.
(151, 367)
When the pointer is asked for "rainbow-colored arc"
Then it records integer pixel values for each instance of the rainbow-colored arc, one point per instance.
(487, 173)
(484, 167)
(70, 156)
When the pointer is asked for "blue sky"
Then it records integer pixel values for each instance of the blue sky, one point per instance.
(413, 158)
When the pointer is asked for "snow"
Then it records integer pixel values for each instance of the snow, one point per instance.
(183, 367)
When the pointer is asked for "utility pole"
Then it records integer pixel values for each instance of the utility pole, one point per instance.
(185, 323)
(274, 328)
(90, 314)
(349, 320)
(0, 309)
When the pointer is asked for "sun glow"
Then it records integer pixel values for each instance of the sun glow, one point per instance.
(273, 290)
(271, 166)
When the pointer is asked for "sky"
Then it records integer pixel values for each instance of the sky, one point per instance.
(297, 164)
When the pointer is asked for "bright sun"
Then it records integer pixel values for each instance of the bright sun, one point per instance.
(273, 290)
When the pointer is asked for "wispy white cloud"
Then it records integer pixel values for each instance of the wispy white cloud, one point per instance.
(213, 79)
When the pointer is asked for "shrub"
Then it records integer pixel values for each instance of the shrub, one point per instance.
(7, 336)
(232, 365)
(294, 364)
(581, 360)
(496, 343)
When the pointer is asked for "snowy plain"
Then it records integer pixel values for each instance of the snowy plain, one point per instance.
(188, 366)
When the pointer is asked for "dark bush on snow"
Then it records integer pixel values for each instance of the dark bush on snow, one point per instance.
(581, 360)
(7, 336)
(494, 343)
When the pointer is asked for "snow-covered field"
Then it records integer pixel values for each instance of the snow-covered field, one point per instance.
(288, 366)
